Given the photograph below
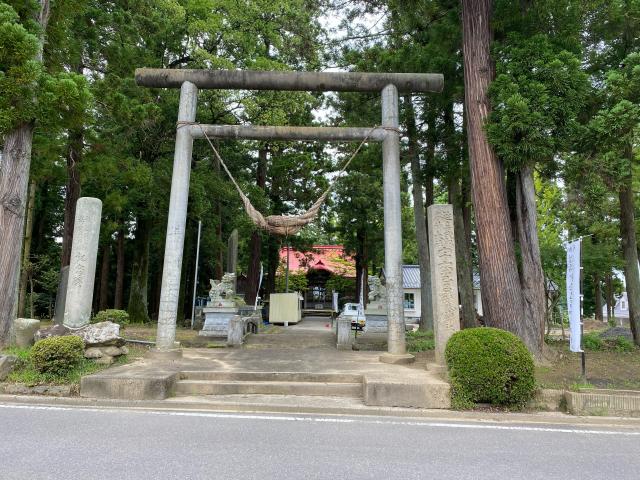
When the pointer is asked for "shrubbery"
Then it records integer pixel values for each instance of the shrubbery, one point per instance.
(420, 341)
(489, 365)
(111, 315)
(593, 342)
(57, 355)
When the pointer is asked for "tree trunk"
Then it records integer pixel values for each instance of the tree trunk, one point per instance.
(14, 177)
(72, 192)
(500, 282)
(463, 259)
(138, 306)
(598, 296)
(104, 278)
(26, 272)
(610, 300)
(531, 274)
(119, 293)
(255, 244)
(426, 303)
(630, 254)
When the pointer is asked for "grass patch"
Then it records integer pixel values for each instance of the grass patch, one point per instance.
(26, 373)
(420, 341)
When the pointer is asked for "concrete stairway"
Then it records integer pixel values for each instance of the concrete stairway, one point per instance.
(269, 383)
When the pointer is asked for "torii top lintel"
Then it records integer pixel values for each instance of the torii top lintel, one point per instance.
(290, 81)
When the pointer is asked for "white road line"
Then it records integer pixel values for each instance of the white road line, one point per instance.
(295, 418)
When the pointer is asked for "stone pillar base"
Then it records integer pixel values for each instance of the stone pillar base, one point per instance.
(173, 354)
(438, 369)
(397, 359)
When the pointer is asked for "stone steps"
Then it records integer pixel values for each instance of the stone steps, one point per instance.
(251, 376)
(209, 387)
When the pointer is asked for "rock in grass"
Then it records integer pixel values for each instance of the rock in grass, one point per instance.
(93, 352)
(55, 331)
(101, 334)
(7, 364)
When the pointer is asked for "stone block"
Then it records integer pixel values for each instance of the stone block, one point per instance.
(141, 385)
(112, 351)
(24, 330)
(419, 390)
(343, 333)
(604, 402)
(7, 364)
(235, 332)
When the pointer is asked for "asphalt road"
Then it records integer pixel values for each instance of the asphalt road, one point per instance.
(80, 443)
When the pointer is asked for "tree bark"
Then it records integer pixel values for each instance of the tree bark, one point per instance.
(27, 269)
(463, 259)
(531, 273)
(630, 254)
(255, 244)
(103, 304)
(597, 282)
(419, 215)
(119, 293)
(14, 179)
(72, 192)
(500, 283)
(610, 299)
(138, 308)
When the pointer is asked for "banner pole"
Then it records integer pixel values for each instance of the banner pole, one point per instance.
(583, 358)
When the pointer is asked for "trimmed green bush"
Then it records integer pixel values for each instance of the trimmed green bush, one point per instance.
(111, 315)
(57, 355)
(489, 365)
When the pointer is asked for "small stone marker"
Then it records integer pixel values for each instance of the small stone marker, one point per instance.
(61, 295)
(23, 331)
(82, 269)
(444, 280)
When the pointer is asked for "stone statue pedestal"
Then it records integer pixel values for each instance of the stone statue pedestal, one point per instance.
(375, 314)
(216, 320)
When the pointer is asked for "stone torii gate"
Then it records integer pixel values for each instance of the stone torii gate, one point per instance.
(189, 81)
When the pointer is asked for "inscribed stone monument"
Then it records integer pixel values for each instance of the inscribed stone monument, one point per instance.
(444, 281)
(82, 269)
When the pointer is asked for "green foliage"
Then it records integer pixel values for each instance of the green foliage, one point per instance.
(592, 342)
(57, 355)
(297, 282)
(111, 315)
(488, 365)
(420, 341)
(338, 283)
(19, 71)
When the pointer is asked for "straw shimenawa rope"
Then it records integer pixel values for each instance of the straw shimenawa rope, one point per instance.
(280, 224)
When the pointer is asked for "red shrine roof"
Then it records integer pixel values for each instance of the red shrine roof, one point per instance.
(321, 257)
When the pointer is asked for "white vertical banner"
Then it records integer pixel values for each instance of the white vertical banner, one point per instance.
(573, 294)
